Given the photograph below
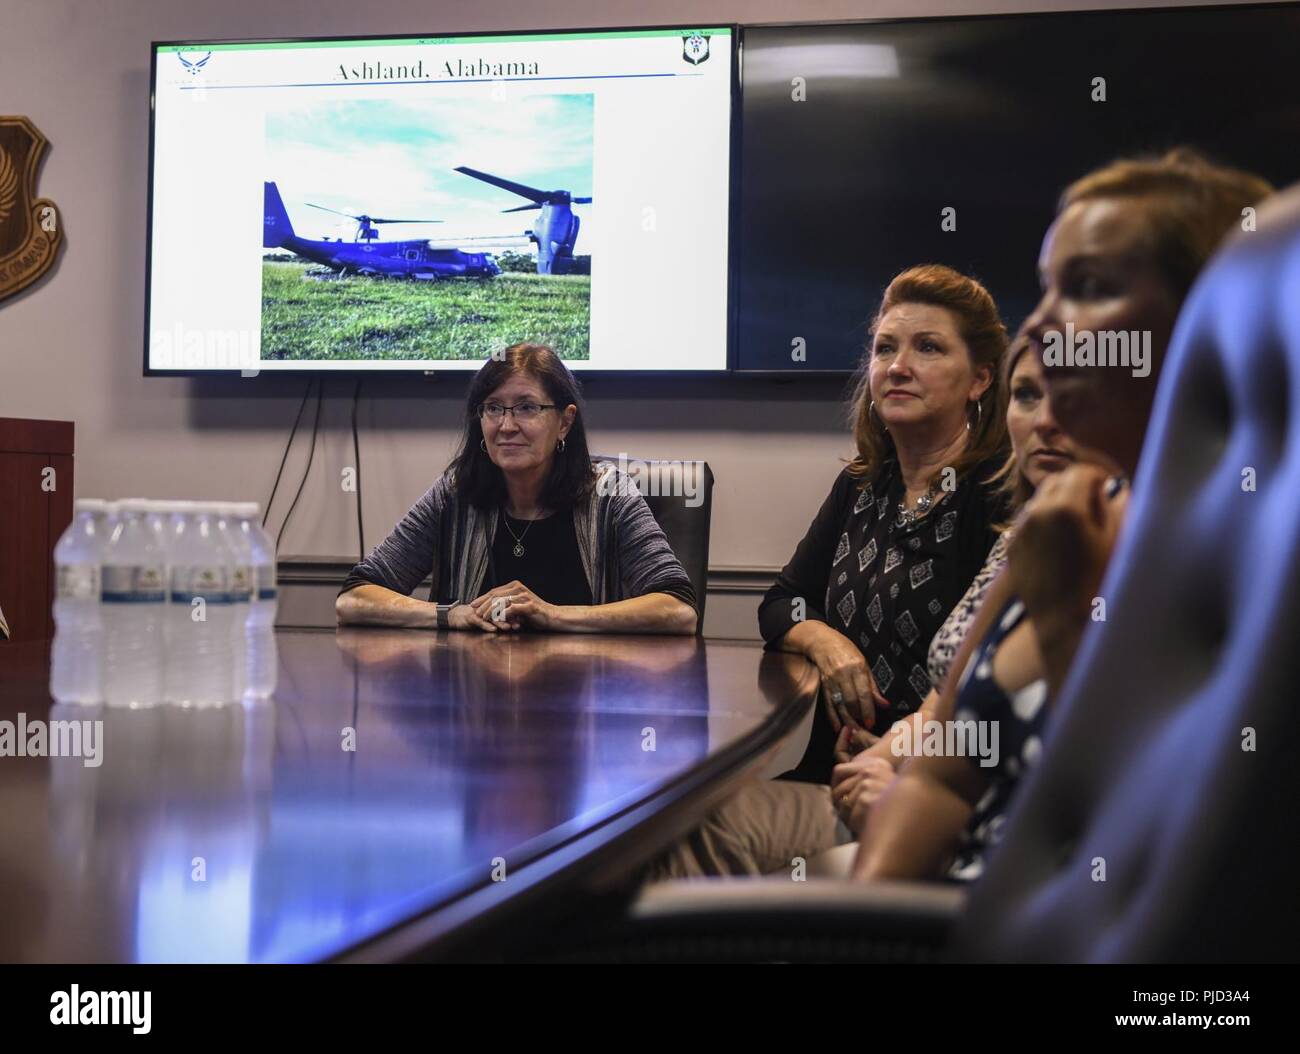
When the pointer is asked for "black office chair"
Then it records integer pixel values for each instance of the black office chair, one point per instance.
(1161, 823)
(685, 520)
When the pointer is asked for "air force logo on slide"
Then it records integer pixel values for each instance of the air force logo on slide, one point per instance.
(695, 48)
(195, 66)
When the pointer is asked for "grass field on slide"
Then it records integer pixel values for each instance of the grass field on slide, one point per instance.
(458, 318)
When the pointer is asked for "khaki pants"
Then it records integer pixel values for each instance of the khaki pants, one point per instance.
(763, 829)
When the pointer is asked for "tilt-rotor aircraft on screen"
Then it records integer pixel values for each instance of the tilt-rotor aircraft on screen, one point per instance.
(365, 255)
(556, 229)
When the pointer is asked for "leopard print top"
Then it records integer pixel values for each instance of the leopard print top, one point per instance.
(944, 644)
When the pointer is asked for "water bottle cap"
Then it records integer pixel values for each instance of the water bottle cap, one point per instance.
(91, 505)
(135, 505)
(245, 510)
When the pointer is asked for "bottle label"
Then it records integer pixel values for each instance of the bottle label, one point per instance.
(266, 582)
(79, 582)
(209, 583)
(135, 584)
(241, 584)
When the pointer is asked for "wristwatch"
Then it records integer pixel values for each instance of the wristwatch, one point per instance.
(444, 615)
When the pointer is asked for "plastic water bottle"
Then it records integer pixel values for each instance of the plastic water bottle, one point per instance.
(242, 581)
(133, 603)
(173, 516)
(158, 520)
(76, 656)
(260, 649)
(199, 660)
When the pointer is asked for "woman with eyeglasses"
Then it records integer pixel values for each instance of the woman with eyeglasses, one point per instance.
(523, 530)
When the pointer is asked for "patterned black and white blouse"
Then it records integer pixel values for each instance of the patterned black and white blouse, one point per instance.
(885, 585)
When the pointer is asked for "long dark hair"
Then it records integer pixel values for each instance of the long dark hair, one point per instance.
(481, 483)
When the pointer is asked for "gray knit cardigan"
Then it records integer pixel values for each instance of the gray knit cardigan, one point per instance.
(623, 549)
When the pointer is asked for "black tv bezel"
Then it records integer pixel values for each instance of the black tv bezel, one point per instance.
(362, 369)
(792, 375)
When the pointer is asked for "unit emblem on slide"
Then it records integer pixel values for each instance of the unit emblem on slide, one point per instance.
(31, 231)
(195, 66)
(695, 48)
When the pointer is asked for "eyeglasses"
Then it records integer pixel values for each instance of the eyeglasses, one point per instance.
(523, 411)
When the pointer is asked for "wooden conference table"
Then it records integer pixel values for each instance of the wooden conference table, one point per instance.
(491, 775)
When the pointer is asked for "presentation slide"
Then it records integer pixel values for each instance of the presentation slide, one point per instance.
(419, 203)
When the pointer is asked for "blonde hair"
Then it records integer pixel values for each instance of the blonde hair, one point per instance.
(1012, 484)
(1188, 204)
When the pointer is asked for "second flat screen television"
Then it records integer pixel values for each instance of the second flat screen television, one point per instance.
(856, 138)
(418, 203)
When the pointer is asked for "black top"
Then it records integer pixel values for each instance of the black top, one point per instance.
(886, 586)
(551, 565)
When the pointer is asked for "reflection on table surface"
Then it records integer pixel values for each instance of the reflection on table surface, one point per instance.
(392, 772)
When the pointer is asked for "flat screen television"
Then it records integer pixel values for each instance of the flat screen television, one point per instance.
(856, 137)
(418, 203)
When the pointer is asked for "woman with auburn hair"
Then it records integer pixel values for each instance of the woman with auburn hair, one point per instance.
(1126, 245)
(1039, 448)
(906, 527)
(523, 530)
(914, 508)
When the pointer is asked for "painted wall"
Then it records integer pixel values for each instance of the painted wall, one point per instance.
(70, 348)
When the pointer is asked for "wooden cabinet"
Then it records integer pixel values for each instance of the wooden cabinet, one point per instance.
(35, 509)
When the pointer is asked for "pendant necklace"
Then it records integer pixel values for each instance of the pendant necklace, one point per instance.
(518, 550)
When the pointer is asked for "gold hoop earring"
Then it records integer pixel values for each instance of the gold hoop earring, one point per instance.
(559, 447)
(482, 445)
(979, 417)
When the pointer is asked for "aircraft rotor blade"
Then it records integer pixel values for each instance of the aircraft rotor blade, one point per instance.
(523, 208)
(335, 211)
(376, 219)
(531, 193)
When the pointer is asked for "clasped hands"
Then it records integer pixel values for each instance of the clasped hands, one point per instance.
(508, 607)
